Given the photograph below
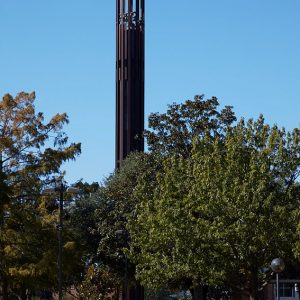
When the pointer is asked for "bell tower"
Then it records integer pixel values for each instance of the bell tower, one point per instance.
(130, 61)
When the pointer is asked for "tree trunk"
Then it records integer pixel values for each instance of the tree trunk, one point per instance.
(5, 289)
(254, 293)
(253, 297)
(199, 292)
(23, 294)
(136, 292)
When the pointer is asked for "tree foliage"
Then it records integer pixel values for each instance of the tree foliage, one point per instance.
(27, 159)
(168, 133)
(220, 214)
(173, 131)
(106, 269)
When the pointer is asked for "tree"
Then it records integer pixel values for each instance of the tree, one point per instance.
(82, 220)
(173, 131)
(26, 162)
(169, 133)
(220, 214)
(105, 270)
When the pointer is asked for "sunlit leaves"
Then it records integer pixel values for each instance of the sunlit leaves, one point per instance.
(174, 130)
(221, 213)
(31, 151)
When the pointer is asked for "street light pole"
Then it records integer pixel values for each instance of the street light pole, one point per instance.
(277, 286)
(61, 189)
(60, 239)
(277, 266)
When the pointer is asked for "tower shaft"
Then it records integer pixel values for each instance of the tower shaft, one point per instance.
(130, 61)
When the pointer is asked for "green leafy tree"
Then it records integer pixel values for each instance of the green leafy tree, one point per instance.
(168, 133)
(105, 270)
(173, 131)
(219, 215)
(26, 161)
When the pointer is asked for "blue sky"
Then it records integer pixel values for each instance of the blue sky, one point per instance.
(245, 52)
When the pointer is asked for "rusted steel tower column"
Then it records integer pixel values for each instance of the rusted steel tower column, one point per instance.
(129, 77)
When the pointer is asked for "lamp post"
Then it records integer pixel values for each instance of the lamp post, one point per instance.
(61, 189)
(277, 266)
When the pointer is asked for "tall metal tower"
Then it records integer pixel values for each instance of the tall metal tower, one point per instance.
(129, 77)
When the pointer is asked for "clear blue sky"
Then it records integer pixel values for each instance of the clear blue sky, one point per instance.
(245, 52)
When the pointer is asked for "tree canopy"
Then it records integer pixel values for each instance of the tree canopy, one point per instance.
(169, 133)
(31, 151)
(219, 215)
(173, 131)
(106, 265)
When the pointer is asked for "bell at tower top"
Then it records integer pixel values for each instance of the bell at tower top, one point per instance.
(130, 11)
